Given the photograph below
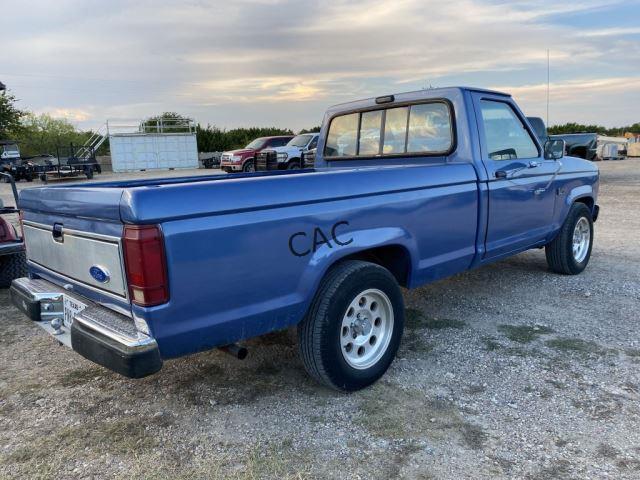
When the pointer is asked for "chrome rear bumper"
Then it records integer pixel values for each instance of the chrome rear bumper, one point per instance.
(97, 333)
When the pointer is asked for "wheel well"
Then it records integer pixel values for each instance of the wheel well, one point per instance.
(394, 258)
(294, 159)
(588, 201)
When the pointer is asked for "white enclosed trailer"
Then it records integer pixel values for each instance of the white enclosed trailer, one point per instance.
(161, 144)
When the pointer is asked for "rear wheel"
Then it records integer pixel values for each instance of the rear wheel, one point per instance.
(12, 267)
(353, 328)
(570, 251)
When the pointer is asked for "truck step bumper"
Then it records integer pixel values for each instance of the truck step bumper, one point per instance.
(97, 333)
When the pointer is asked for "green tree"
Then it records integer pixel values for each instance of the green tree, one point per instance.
(213, 139)
(10, 115)
(572, 127)
(167, 122)
(309, 130)
(42, 134)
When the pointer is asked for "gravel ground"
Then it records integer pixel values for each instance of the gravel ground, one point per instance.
(508, 371)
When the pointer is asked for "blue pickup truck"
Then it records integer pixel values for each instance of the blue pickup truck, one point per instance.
(406, 189)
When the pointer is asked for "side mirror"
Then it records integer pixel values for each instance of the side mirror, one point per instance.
(554, 149)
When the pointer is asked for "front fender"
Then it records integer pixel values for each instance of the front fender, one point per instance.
(582, 191)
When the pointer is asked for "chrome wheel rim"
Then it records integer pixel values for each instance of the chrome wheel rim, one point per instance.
(581, 239)
(366, 329)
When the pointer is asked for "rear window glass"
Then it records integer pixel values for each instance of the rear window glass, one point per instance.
(343, 135)
(422, 128)
(370, 124)
(429, 128)
(395, 130)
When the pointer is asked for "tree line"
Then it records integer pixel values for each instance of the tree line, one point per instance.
(580, 128)
(42, 134)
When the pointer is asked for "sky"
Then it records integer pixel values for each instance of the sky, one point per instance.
(282, 63)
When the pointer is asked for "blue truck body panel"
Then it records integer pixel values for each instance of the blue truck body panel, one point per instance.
(245, 254)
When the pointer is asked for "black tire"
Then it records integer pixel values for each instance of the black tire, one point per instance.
(12, 267)
(294, 165)
(89, 173)
(319, 334)
(43, 178)
(559, 251)
(249, 166)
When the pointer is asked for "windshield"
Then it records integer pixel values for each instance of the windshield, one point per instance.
(256, 144)
(11, 148)
(299, 141)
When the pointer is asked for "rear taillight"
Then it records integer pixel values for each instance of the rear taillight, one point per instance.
(146, 265)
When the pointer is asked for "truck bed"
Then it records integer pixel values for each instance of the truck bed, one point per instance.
(156, 200)
(252, 245)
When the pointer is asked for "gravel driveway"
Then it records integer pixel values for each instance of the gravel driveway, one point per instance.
(508, 371)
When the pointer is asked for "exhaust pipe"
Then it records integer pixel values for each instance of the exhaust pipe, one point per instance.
(235, 351)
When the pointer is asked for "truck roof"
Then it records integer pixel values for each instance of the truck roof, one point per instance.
(417, 95)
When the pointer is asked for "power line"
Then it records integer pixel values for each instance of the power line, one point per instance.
(548, 83)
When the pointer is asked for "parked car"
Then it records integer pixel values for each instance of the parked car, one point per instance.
(243, 159)
(289, 156)
(12, 258)
(13, 164)
(593, 146)
(210, 159)
(456, 180)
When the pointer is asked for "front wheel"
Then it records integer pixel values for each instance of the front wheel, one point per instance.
(353, 328)
(570, 251)
(249, 166)
(294, 165)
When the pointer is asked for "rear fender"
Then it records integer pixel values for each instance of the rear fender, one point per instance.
(351, 243)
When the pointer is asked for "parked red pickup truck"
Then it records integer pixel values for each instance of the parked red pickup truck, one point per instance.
(244, 159)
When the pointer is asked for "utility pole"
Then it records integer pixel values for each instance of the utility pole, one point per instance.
(548, 69)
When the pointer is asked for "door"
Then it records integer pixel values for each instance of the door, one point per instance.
(520, 180)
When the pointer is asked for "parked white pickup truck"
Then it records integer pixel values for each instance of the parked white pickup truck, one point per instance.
(288, 157)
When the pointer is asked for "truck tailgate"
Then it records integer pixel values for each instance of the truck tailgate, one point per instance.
(74, 254)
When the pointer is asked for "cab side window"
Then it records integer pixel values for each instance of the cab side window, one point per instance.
(506, 136)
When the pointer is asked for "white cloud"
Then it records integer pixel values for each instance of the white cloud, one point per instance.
(219, 60)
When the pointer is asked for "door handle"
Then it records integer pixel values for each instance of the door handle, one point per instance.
(501, 174)
(534, 164)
